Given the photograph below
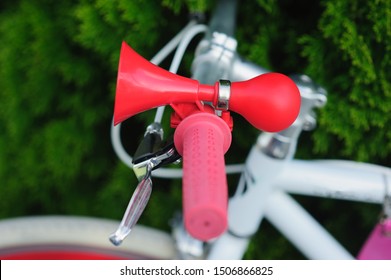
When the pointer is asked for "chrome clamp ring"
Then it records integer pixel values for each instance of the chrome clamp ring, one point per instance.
(223, 95)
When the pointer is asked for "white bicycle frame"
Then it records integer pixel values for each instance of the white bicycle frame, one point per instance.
(266, 181)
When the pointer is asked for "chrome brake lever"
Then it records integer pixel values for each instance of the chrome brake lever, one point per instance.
(143, 191)
(134, 210)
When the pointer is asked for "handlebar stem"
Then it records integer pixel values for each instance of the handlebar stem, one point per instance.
(213, 58)
(282, 144)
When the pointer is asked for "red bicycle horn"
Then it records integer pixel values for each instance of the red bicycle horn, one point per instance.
(270, 102)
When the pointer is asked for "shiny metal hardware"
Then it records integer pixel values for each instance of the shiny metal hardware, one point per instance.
(143, 169)
(214, 57)
(387, 207)
(224, 95)
(387, 200)
(385, 219)
(282, 144)
(155, 128)
(134, 210)
(188, 247)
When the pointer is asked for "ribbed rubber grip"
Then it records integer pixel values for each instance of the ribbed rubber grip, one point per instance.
(202, 139)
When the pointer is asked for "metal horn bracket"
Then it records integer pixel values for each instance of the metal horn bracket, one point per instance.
(224, 95)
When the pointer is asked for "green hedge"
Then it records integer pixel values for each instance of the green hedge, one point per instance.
(58, 63)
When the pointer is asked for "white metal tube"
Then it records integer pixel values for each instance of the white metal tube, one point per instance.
(228, 247)
(302, 229)
(119, 149)
(335, 179)
(245, 210)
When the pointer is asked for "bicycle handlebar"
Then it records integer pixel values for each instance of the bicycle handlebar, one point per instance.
(203, 139)
(270, 102)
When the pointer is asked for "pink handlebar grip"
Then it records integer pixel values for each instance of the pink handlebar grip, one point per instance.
(202, 139)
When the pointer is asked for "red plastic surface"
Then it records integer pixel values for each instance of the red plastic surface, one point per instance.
(142, 85)
(270, 102)
(378, 244)
(59, 255)
(202, 139)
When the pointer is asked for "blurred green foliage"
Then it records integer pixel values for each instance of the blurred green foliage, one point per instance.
(58, 63)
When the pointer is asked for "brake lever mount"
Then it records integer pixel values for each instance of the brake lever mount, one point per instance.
(148, 157)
